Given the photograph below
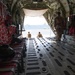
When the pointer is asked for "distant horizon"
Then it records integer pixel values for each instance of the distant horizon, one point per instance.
(27, 27)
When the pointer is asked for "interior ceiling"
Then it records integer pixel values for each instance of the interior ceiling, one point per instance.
(53, 4)
(15, 8)
(12, 2)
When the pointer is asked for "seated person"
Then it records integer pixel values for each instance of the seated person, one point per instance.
(29, 35)
(6, 32)
(39, 35)
(6, 38)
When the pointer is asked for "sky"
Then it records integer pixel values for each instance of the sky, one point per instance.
(38, 20)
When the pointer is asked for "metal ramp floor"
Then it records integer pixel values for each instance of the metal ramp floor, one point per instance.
(47, 57)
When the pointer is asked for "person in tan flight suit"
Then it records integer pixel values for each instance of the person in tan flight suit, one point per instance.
(29, 35)
(39, 35)
(59, 26)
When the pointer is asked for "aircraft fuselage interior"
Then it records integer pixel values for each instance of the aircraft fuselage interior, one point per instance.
(37, 37)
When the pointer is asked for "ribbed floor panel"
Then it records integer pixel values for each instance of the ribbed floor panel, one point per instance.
(45, 56)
